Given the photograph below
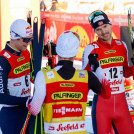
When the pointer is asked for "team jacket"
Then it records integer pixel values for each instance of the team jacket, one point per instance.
(113, 60)
(14, 76)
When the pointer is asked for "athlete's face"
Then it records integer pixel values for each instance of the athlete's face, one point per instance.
(22, 44)
(104, 32)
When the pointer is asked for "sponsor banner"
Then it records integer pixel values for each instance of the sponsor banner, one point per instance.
(57, 23)
(65, 127)
(120, 20)
(65, 110)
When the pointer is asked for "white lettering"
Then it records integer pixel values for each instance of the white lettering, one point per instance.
(97, 18)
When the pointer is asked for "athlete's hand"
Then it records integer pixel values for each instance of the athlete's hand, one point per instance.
(93, 61)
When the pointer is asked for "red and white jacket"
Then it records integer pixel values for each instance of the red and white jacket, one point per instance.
(113, 60)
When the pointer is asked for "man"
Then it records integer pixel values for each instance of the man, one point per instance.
(129, 94)
(15, 87)
(63, 90)
(112, 55)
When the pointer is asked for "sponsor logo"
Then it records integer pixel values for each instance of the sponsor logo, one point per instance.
(100, 23)
(17, 84)
(115, 89)
(128, 87)
(1, 85)
(67, 110)
(118, 42)
(67, 127)
(21, 68)
(81, 74)
(97, 18)
(111, 51)
(117, 59)
(67, 85)
(50, 74)
(121, 72)
(67, 95)
(24, 91)
(6, 55)
(28, 29)
(20, 59)
(115, 82)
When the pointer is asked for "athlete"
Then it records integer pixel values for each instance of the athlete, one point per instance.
(112, 56)
(129, 94)
(15, 87)
(63, 90)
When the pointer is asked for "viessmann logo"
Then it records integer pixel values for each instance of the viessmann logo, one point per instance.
(116, 59)
(67, 95)
(67, 110)
(22, 68)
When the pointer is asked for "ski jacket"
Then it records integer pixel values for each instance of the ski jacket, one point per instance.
(113, 60)
(15, 87)
(15, 76)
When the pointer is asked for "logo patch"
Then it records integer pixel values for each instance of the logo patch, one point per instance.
(81, 74)
(50, 74)
(97, 18)
(100, 23)
(95, 46)
(118, 42)
(29, 30)
(7, 55)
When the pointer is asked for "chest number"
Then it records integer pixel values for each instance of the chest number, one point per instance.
(113, 72)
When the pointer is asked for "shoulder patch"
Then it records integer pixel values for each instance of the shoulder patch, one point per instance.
(50, 74)
(82, 74)
(118, 42)
(95, 45)
(7, 55)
